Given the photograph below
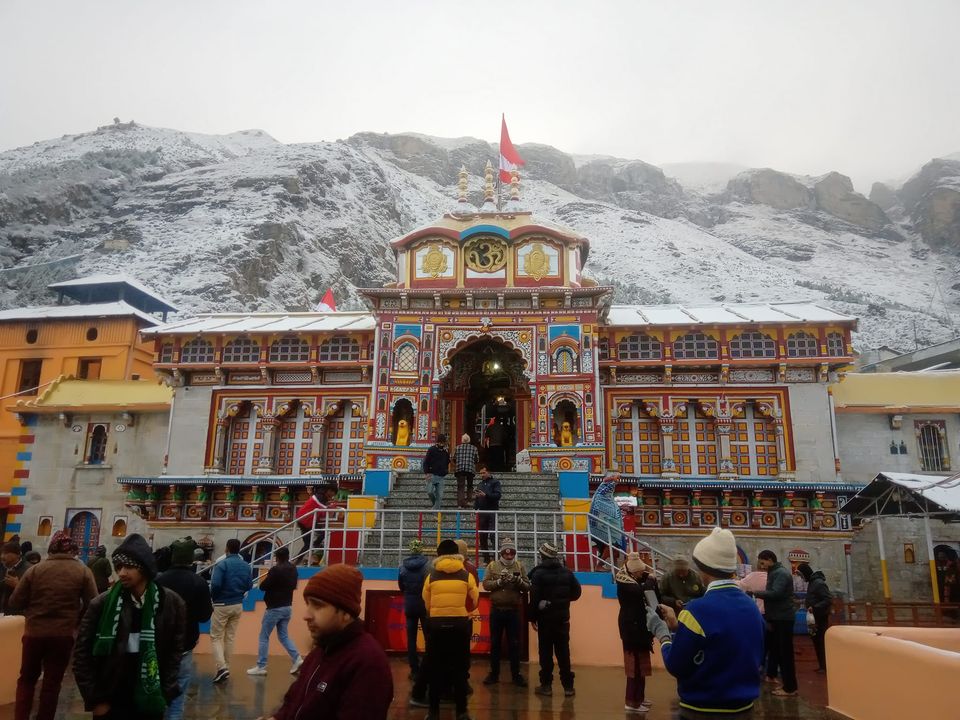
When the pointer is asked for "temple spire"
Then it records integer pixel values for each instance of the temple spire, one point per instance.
(463, 205)
(489, 201)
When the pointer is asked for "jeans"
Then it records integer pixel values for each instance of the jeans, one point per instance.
(505, 620)
(435, 490)
(448, 655)
(486, 531)
(823, 622)
(414, 622)
(175, 708)
(49, 655)
(464, 498)
(278, 617)
(553, 637)
(223, 629)
(782, 654)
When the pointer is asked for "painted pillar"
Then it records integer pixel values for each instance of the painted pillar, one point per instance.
(219, 446)
(727, 470)
(267, 451)
(668, 465)
(932, 560)
(315, 463)
(883, 561)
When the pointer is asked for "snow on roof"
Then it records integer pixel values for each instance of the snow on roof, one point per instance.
(269, 323)
(107, 279)
(893, 494)
(93, 310)
(726, 314)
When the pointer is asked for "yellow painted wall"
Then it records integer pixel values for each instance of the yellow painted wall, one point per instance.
(61, 344)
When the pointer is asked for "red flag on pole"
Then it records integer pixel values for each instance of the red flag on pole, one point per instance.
(328, 304)
(510, 159)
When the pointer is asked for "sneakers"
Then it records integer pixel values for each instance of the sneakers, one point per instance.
(780, 692)
(646, 705)
(544, 690)
(640, 709)
(223, 674)
(569, 691)
(296, 665)
(417, 702)
(255, 670)
(491, 679)
(520, 681)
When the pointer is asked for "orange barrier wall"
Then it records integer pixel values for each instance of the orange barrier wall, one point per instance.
(11, 630)
(873, 671)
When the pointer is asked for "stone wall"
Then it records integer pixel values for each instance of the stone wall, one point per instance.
(812, 439)
(191, 421)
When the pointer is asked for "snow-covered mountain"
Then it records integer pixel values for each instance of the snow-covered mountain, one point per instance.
(243, 222)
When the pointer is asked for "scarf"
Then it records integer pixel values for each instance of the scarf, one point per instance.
(624, 576)
(147, 696)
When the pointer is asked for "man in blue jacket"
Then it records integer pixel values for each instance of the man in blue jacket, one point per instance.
(412, 574)
(232, 579)
(717, 648)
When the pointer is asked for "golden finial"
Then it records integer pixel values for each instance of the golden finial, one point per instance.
(488, 192)
(462, 186)
(514, 187)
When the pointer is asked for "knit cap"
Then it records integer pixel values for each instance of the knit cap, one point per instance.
(11, 547)
(134, 552)
(62, 542)
(635, 566)
(447, 547)
(548, 550)
(340, 585)
(416, 547)
(717, 552)
(507, 544)
(181, 551)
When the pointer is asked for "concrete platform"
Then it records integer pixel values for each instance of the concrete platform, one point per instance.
(599, 696)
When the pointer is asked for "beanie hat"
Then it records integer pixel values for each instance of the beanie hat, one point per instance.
(135, 553)
(462, 547)
(416, 547)
(635, 566)
(340, 585)
(62, 542)
(549, 551)
(717, 552)
(447, 547)
(508, 544)
(11, 547)
(181, 551)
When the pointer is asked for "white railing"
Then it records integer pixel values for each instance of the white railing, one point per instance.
(380, 537)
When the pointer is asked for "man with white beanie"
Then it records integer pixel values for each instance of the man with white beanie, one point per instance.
(716, 648)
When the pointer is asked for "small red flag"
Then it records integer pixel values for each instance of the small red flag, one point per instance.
(510, 159)
(328, 304)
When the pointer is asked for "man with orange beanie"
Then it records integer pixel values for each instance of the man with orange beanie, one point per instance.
(347, 674)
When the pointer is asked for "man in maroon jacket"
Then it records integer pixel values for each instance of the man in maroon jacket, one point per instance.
(347, 675)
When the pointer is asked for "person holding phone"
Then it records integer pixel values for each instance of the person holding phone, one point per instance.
(634, 585)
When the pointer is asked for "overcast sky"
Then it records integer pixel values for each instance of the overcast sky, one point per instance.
(865, 87)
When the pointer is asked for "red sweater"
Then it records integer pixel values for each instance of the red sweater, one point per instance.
(309, 506)
(346, 678)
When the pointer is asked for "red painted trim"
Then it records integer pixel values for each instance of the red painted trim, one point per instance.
(21, 474)
(14, 509)
(424, 232)
(26, 439)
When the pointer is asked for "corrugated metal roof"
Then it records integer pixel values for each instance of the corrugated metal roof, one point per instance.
(269, 323)
(93, 310)
(118, 279)
(726, 314)
(893, 494)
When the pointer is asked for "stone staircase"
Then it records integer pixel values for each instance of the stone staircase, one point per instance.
(523, 493)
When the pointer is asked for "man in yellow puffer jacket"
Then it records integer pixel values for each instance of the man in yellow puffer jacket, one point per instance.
(450, 594)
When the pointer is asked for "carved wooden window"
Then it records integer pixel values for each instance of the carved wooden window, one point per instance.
(166, 353)
(637, 439)
(96, 444)
(564, 361)
(29, 380)
(341, 349)
(753, 445)
(696, 444)
(752, 345)
(835, 345)
(197, 350)
(932, 443)
(695, 346)
(244, 442)
(405, 358)
(802, 344)
(241, 350)
(639, 347)
(344, 441)
(293, 444)
(289, 349)
(603, 349)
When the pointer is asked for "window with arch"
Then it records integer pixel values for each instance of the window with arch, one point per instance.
(96, 444)
(244, 441)
(801, 344)
(241, 350)
(339, 348)
(752, 345)
(405, 358)
(694, 346)
(835, 345)
(166, 353)
(932, 443)
(197, 350)
(639, 347)
(603, 349)
(289, 349)
(564, 361)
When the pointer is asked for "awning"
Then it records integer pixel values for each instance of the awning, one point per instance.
(893, 494)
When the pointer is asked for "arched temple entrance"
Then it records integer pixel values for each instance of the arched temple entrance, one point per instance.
(486, 395)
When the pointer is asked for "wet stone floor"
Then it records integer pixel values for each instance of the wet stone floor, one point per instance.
(599, 696)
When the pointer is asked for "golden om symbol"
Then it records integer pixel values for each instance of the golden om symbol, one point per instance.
(485, 254)
(434, 263)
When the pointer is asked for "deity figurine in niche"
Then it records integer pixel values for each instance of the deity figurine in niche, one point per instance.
(566, 434)
(402, 422)
(403, 432)
(565, 424)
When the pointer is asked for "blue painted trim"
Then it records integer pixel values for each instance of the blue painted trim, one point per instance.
(745, 484)
(13, 527)
(18, 491)
(574, 483)
(266, 480)
(32, 420)
(377, 482)
(486, 229)
(25, 455)
(376, 573)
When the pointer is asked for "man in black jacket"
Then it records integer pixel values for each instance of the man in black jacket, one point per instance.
(818, 600)
(779, 612)
(278, 587)
(486, 502)
(552, 588)
(195, 593)
(436, 464)
(130, 641)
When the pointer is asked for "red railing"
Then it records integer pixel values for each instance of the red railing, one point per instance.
(903, 614)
